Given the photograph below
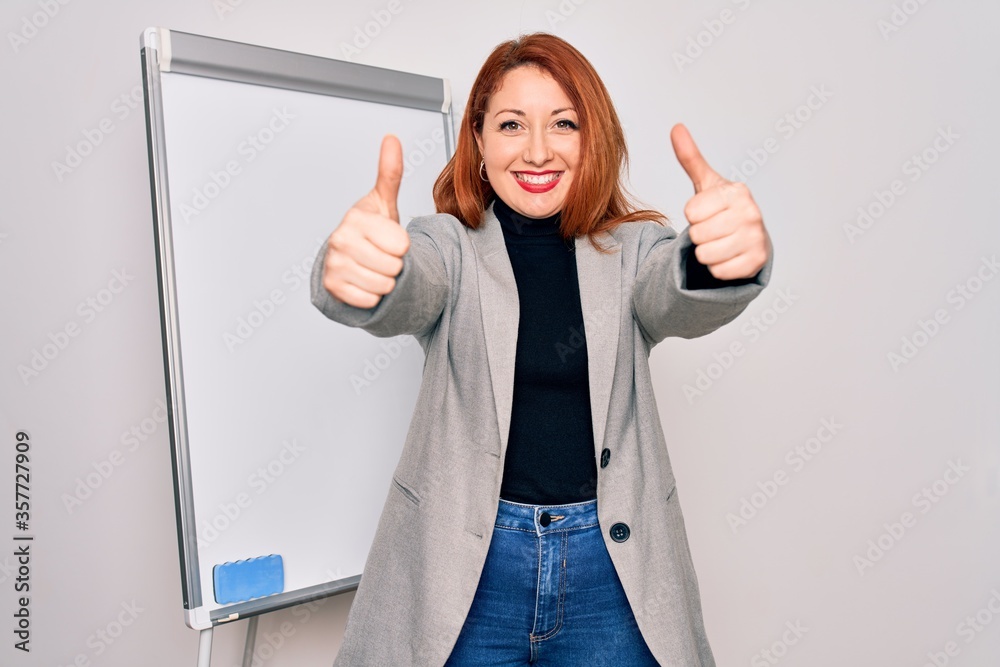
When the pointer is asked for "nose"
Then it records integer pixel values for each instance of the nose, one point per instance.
(537, 151)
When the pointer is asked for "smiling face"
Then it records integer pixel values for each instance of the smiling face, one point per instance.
(531, 142)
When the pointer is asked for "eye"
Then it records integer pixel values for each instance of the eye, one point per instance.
(566, 124)
(507, 125)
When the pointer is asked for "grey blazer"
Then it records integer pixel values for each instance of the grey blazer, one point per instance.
(456, 294)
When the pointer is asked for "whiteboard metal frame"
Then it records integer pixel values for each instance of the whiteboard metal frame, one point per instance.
(164, 50)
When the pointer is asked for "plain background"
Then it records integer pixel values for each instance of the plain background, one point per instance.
(886, 80)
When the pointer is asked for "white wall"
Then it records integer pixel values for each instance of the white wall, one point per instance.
(822, 354)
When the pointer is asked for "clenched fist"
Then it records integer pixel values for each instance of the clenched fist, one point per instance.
(726, 225)
(365, 252)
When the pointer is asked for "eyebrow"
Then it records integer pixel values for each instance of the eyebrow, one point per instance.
(522, 114)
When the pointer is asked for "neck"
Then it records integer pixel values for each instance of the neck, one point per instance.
(522, 225)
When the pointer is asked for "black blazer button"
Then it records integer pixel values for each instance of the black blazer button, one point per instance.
(619, 532)
(605, 456)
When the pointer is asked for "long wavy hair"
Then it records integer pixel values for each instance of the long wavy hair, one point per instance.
(597, 201)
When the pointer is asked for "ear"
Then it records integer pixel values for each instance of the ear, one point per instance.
(479, 142)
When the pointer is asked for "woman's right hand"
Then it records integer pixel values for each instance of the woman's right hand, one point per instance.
(365, 252)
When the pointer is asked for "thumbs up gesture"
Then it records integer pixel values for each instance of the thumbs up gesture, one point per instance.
(365, 252)
(726, 225)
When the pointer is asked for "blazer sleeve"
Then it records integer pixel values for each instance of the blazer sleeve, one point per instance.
(416, 301)
(664, 304)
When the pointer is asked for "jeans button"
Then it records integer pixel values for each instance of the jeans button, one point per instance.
(545, 519)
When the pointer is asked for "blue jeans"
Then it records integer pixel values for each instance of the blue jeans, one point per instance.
(549, 595)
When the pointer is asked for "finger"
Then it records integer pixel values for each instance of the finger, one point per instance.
(349, 272)
(386, 234)
(367, 254)
(696, 167)
(719, 251)
(390, 174)
(741, 266)
(715, 227)
(729, 262)
(733, 196)
(354, 296)
(352, 284)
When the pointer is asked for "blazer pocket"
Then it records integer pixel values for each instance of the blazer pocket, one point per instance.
(672, 492)
(407, 492)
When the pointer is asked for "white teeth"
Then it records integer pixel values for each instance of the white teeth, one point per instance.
(537, 180)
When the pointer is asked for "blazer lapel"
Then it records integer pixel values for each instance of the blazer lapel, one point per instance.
(600, 277)
(600, 299)
(501, 312)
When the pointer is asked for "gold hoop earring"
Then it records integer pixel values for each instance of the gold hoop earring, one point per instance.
(482, 166)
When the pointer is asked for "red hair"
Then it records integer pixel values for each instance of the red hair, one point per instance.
(597, 201)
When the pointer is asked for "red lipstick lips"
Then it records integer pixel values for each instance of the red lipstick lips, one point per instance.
(538, 188)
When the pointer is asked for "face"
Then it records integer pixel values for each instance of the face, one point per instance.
(531, 142)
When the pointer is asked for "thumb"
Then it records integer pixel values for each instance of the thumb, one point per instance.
(390, 174)
(702, 175)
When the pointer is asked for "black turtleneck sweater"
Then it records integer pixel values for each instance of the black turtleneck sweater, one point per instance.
(550, 450)
(550, 458)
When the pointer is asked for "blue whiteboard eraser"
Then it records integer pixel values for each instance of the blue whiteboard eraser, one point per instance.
(247, 579)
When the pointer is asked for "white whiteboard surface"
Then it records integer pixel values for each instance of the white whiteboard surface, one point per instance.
(294, 423)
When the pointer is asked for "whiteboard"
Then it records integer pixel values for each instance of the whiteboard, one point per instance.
(285, 428)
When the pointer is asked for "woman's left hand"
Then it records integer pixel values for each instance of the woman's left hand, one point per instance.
(726, 225)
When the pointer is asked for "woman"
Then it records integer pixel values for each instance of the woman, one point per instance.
(533, 515)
